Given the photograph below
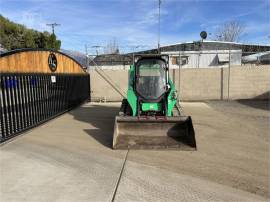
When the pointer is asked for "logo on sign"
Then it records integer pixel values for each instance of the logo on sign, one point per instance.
(52, 62)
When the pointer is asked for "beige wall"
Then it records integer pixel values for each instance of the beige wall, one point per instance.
(250, 82)
(103, 84)
(199, 84)
(195, 84)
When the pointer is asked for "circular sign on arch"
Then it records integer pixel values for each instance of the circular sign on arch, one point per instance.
(52, 62)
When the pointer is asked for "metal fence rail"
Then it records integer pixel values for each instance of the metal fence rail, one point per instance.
(27, 100)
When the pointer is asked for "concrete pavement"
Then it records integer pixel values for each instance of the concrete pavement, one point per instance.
(70, 159)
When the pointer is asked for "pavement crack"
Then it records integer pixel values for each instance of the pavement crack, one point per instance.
(120, 176)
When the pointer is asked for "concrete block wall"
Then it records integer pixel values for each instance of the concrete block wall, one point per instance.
(250, 82)
(245, 82)
(199, 84)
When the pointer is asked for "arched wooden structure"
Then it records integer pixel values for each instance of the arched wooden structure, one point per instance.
(37, 61)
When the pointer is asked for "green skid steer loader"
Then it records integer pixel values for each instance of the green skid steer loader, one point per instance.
(150, 117)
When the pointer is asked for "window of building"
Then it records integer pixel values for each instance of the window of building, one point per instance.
(176, 59)
(223, 58)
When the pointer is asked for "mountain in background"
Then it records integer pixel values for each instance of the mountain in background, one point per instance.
(76, 55)
(17, 36)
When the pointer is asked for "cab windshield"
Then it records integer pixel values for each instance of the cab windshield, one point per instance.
(151, 78)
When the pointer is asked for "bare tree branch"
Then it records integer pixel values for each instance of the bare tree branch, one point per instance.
(111, 47)
(230, 31)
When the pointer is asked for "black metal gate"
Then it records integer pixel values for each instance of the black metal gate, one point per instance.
(27, 100)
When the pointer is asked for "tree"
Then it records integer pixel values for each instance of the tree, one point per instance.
(53, 43)
(29, 40)
(42, 39)
(15, 36)
(230, 31)
(111, 47)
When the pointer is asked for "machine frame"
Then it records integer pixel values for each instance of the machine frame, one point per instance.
(163, 106)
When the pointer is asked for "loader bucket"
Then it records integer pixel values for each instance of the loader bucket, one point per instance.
(151, 133)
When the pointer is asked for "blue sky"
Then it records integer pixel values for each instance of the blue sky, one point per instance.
(134, 22)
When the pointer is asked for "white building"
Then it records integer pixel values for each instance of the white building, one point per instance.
(204, 58)
(197, 54)
(207, 54)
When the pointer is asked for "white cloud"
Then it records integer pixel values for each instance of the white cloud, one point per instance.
(34, 20)
(131, 22)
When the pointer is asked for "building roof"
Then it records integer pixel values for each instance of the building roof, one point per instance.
(210, 45)
(111, 59)
(216, 42)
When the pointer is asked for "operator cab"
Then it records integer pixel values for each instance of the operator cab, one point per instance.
(151, 78)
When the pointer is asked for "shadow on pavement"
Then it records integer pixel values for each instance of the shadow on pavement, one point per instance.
(259, 104)
(261, 101)
(101, 117)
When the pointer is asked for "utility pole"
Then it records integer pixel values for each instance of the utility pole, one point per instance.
(53, 25)
(159, 3)
(86, 53)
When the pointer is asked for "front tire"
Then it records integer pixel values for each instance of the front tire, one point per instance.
(125, 109)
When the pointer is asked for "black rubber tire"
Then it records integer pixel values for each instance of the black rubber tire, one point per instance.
(128, 111)
(122, 111)
(125, 109)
